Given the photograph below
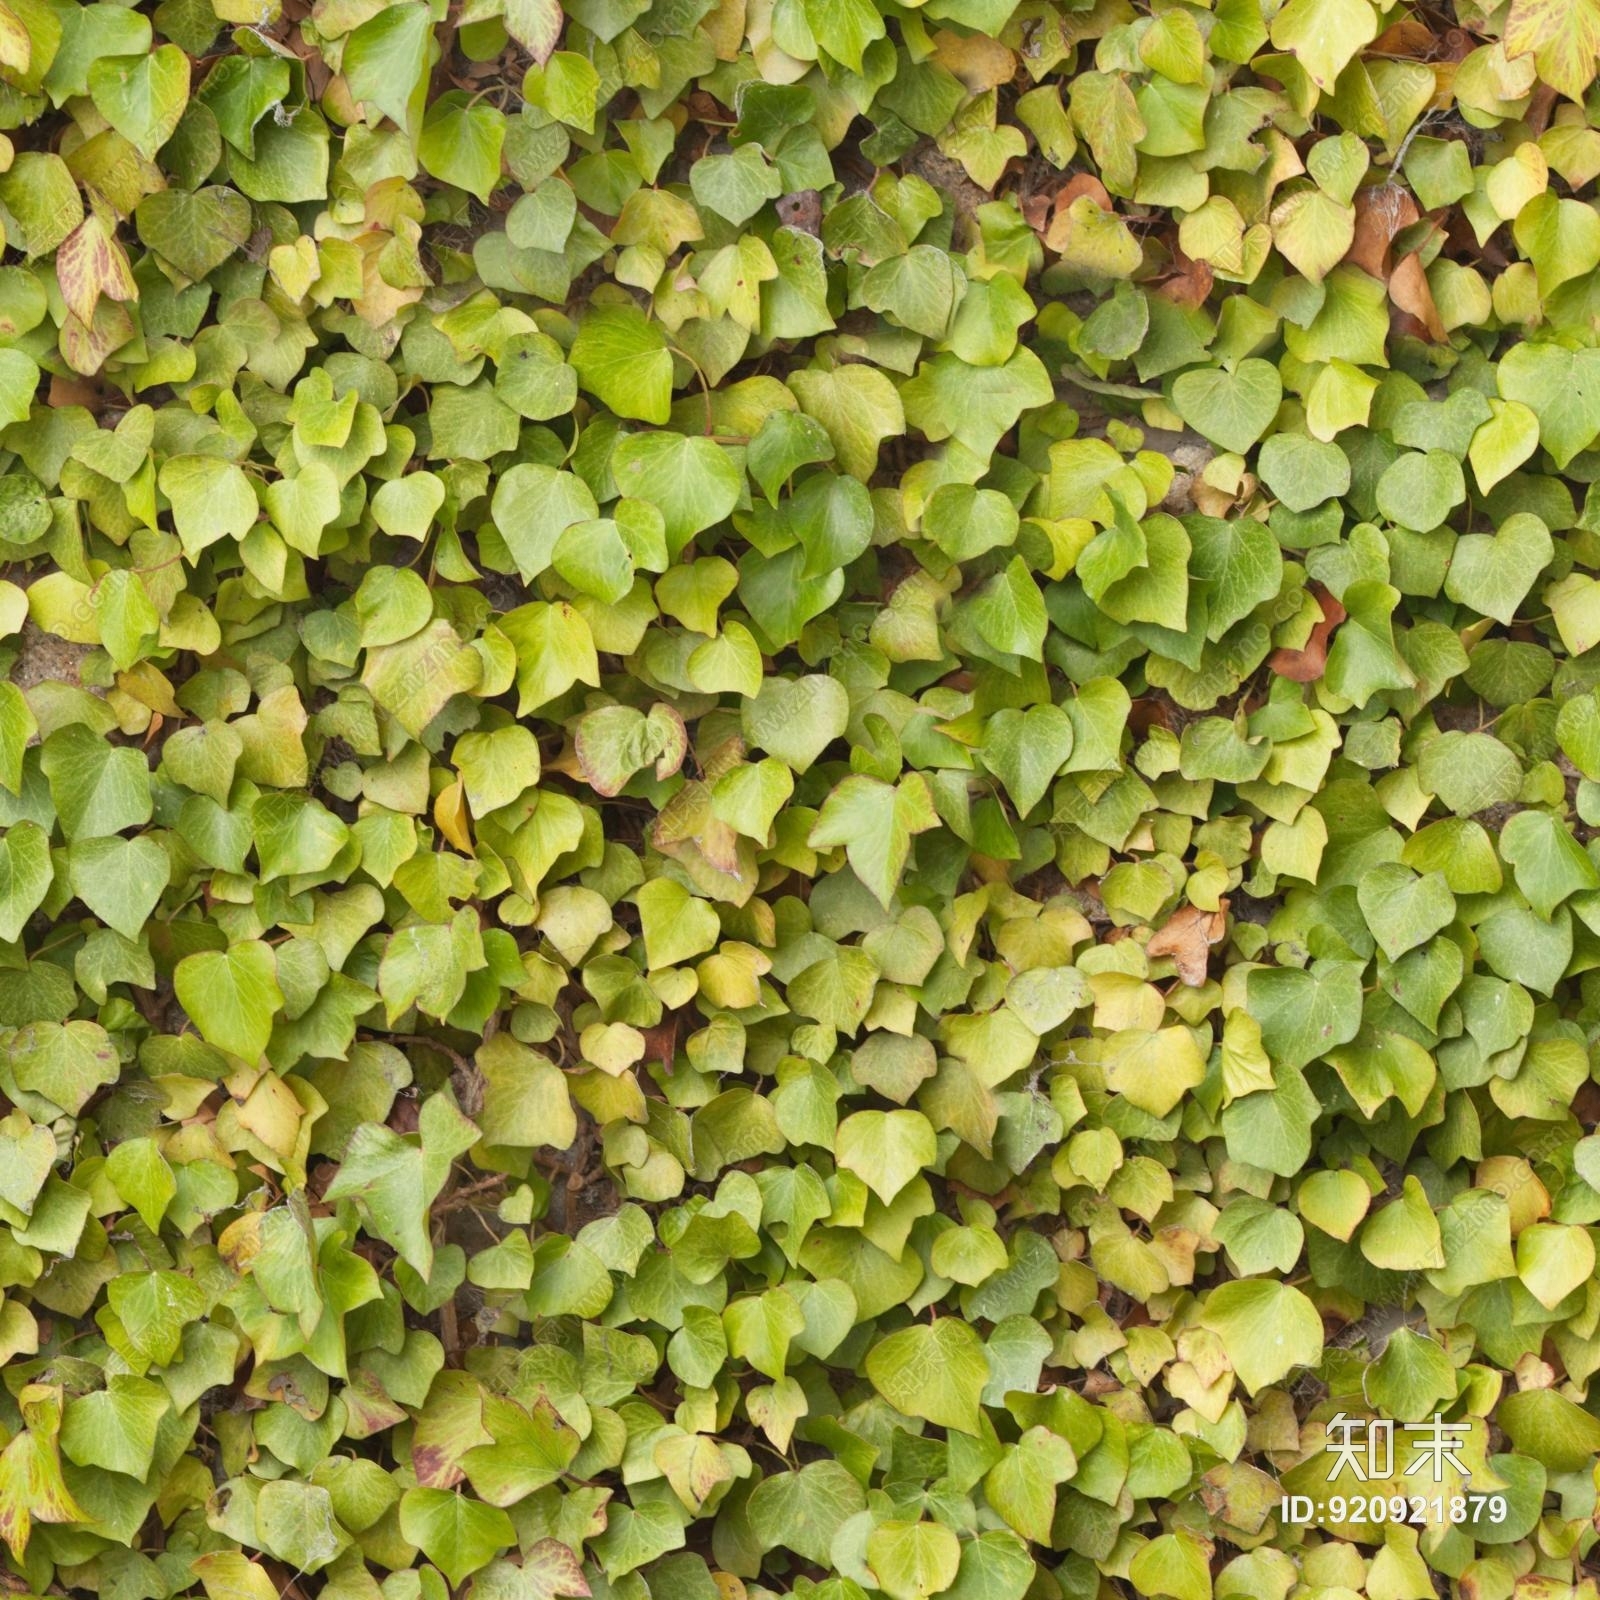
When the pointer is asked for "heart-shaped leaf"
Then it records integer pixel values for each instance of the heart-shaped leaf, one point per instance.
(797, 719)
(1493, 573)
(1026, 749)
(1231, 409)
(195, 232)
(232, 995)
(211, 500)
(25, 875)
(119, 879)
(301, 507)
(1562, 389)
(142, 97)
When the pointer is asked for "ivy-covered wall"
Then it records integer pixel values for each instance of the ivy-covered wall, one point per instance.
(799, 797)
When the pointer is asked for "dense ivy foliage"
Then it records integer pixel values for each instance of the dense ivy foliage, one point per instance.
(797, 795)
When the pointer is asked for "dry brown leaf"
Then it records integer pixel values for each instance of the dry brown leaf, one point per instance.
(1409, 37)
(65, 391)
(1381, 212)
(1408, 288)
(1540, 105)
(1307, 665)
(1082, 183)
(1147, 712)
(1187, 936)
(1189, 283)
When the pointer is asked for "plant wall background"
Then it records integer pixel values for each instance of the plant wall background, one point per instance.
(798, 795)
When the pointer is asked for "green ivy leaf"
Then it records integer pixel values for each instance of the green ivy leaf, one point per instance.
(621, 359)
(934, 1371)
(1267, 1329)
(142, 96)
(459, 1535)
(875, 822)
(232, 995)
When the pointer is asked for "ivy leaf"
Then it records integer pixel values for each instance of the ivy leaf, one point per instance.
(232, 995)
(844, 28)
(1323, 35)
(531, 1449)
(1549, 863)
(554, 650)
(913, 1559)
(98, 789)
(761, 1327)
(211, 500)
(1421, 489)
(458, 1535)
(461, 143)
(65, 1064)
(1026, 749)
(548, 1570)
(1267, 1329)
(385, 59)
(1271, 1128)
(536, 26)
(1009, 612)
(120, 880)
(1402, 909)
(115, 1428)
(796, 720)
(996, 1565)
(1560, 386)
(154, 1308)
(1153, 1069)
(886, 1150)
(1231, 408)
(142, 96)
(801, 1510)
(405, 507)
(615, 742)
(1303, 472)
(936, 1372)
(621, 359)
(32, 1488)
(301, 507)
(1404, 1235)
(297, 1524)
(1413, 1377)
(128, 620)
(145, 1180)
(735, 186)
(1546, 1425)
(1564, 37)
(1174, 1564)
(875, 822)
(638, 1534)
(694, 483)
(918, 290)
(1493, 573)
(196, 232)
(25, 875)
(858, 406)
(397, 1177)
(1240, 561)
